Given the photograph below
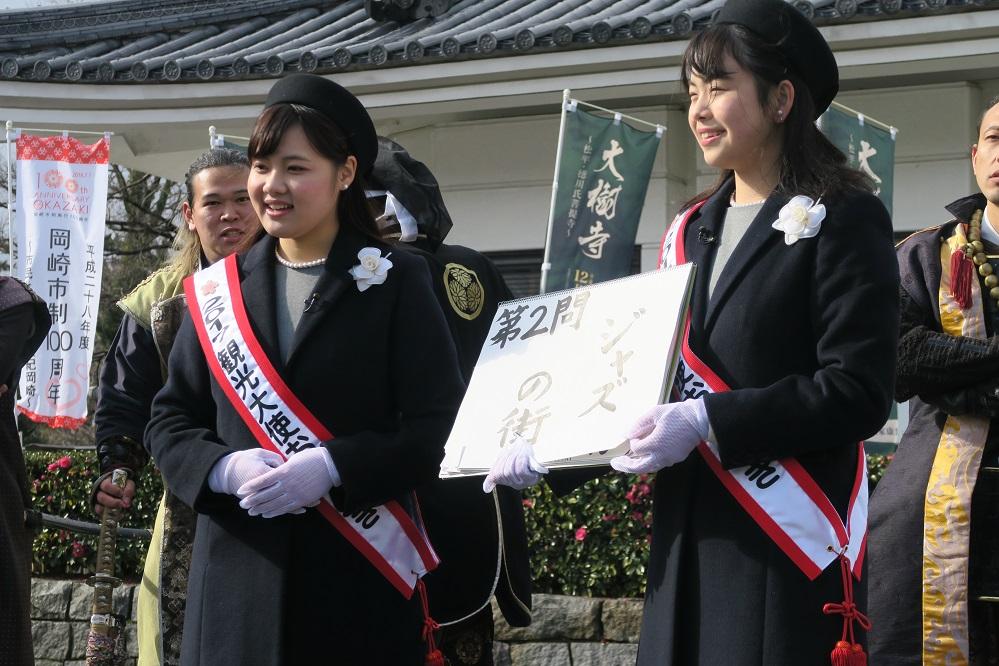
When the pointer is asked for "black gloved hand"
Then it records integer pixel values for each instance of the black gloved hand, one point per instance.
(117, 453)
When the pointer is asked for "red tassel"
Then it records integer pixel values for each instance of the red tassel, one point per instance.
(434, 656)
(962, 271)
(847, 652)
(857, 655)
(841, 654)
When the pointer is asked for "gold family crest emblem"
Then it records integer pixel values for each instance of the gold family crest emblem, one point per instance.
(464, 290)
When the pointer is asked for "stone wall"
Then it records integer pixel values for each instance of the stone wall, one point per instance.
(571, 631)
(60, 619)
(567, 631)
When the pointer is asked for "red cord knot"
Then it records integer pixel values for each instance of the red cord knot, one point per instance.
(429, 628)
(849, 611)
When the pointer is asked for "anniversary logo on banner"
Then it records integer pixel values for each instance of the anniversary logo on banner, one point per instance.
(868, 147)
(58, 248)
(604, 170)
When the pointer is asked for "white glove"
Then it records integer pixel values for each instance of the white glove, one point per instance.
(664, 436)
(301, 481)
(516, 467)
(235, 469)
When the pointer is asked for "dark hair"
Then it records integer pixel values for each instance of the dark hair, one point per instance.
(186, 242)
(213, 159)
(809, 163)
(327, 139)
(988, 107)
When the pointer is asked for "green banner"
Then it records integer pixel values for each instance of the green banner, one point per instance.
(226, 143)
(867, 148)
(603, 175)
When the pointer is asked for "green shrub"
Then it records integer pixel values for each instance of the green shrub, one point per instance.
(593, 542)
(60, 484)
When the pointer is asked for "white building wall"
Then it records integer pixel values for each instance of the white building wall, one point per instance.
(496, 175)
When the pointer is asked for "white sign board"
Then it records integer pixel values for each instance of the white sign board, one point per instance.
(571, 371)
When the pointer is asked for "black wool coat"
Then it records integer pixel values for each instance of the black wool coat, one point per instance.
(805, 336)
(291, 590)
(479, 537)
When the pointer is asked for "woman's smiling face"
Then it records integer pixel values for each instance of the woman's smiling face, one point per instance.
(295, 189)
(729, 123)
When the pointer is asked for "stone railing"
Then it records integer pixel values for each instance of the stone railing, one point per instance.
(566, 631)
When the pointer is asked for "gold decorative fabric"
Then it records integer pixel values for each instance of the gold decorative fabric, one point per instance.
(947, 504)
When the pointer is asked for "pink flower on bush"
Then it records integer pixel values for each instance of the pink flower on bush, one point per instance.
(637, 492)
(79, 549)
(62, 463)
(581, 533)
(637, 515)
(608, 517)
(528, 504)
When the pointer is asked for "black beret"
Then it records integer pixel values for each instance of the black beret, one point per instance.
(796, 37)
(412, 183)
(336, 102)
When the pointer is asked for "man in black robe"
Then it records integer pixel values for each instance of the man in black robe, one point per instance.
(480, 537)
(24, 322)
(934, 562)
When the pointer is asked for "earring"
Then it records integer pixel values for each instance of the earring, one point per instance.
(780, 116)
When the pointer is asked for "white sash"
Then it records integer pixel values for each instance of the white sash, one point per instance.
(392, 540)
(780, 496)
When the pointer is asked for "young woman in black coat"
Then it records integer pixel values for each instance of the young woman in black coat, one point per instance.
(367, 352)
(795, 315)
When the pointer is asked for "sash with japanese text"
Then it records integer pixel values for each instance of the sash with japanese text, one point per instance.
(604, 171)
(780, 495)
(389, 536)
(58, 248)
(867, 147)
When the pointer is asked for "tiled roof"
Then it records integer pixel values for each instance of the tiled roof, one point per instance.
(209, 40)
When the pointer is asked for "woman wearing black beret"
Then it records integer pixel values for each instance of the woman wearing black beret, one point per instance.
(760, 501)
(297, 419)
(788, 363)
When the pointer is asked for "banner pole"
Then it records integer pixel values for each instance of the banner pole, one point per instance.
(546, 265)
(10, 202)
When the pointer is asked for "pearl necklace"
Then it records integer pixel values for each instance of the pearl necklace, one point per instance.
(298, 264)
(733, 204)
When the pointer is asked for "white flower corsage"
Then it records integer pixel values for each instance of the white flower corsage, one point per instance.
(373, 268)
(800, 218)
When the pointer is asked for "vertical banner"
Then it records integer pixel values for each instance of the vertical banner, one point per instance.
(867, 147)
(62, 188)
(604, 171)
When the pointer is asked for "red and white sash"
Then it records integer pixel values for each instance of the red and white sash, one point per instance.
(394, 541)
(780, 496)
